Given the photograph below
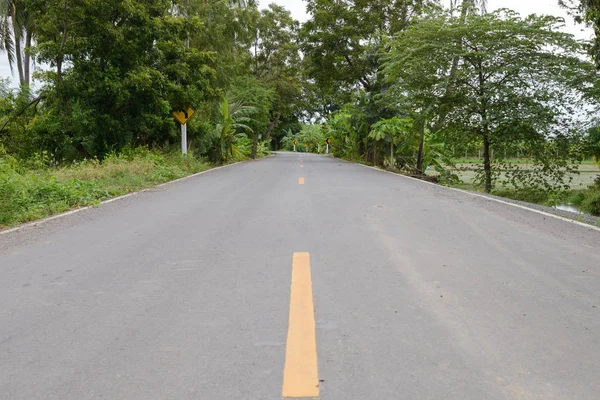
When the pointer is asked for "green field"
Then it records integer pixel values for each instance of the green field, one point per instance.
(466, 171)
(583, 195)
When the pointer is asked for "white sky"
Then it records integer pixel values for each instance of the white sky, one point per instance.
(525, 7)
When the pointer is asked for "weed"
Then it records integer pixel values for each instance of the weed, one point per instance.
(36, 188)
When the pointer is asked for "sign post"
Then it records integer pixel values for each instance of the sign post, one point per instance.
(184, 139)
(294, 143)
(183, 117)
(328, 141)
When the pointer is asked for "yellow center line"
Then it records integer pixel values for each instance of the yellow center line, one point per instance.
(300, 374)
(301, 166)
(300, 181)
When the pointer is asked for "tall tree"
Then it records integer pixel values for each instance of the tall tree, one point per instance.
(587, 12)
(482, 4)
(251, 92)
(516, 83)
(17, 32)
(118, 68)
(277, 63)
(341, 39)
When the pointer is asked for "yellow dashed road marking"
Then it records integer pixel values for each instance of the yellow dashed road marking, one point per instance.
(300, 374)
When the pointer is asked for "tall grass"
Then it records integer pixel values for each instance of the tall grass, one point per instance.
(37, 188)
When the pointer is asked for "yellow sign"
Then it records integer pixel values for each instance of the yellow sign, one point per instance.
(294, 142)
(184, 116)
(328, 141)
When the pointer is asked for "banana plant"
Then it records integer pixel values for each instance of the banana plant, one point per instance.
(287, 142)
(235, 117)
(395, 131)
(312, 138)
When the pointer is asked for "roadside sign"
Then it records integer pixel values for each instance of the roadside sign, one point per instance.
(184, 116)
(328, 141)
(294, 142)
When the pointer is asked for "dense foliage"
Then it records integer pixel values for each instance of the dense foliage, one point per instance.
(114, 70)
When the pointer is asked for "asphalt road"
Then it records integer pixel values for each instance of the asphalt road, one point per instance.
(185, 292)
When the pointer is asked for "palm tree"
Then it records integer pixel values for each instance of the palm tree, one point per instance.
(16, 36)
(482, 4)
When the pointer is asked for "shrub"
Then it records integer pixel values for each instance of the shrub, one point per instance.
(591, 203)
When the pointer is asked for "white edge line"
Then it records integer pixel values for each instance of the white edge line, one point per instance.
(484, 197)
(66, 214)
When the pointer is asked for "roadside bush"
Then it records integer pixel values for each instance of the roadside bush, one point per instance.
(591, 203)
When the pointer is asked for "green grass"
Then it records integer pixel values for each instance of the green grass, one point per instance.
(34, 189)
(588, 172)
(586, 163)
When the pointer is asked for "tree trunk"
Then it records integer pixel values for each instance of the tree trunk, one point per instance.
(421, 148)
(445, 109)
(18, 50)
(27, 69)
(60, 56)
(59, 77)
(82, 150)
(272, 126)
(487, 165)
(255, 146)
(374, 153)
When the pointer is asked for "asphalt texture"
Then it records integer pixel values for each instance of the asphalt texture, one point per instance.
(183, 292)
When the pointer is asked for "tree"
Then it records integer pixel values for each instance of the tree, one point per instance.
(277, 63)
(516, 83)
(16, 33)
(593, 143)
(482, 4)
(118, 68)
(227, 32)
(341, 40)
(587, 12)
(253, 93)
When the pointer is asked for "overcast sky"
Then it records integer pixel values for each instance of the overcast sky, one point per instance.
(525, 7)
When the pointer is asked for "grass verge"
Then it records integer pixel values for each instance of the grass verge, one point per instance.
(36, 189)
